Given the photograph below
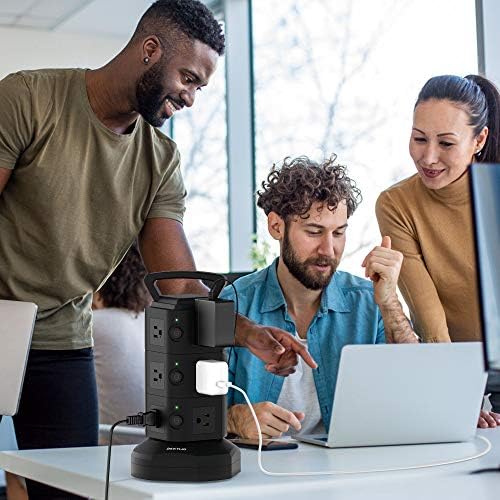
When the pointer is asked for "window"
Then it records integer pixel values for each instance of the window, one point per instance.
(342, 76)
(200, 133)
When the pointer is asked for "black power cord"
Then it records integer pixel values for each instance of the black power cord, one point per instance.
(149, 418)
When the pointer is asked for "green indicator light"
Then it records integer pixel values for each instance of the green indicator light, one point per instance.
(176, 320)
(176, 407)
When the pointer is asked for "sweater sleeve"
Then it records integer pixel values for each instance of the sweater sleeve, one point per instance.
(416, 285)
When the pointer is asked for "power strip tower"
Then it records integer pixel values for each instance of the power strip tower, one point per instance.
(181, 330)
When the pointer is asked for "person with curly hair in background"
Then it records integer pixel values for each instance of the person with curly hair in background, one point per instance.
(308, 205)
(118, 329)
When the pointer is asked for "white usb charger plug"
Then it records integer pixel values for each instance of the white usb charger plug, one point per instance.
(212, 377)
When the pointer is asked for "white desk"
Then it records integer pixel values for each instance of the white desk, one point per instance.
(82, 471)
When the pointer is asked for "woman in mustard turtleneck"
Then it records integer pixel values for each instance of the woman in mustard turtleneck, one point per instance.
(456, 122)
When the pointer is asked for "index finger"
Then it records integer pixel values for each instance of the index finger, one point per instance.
(302, 351)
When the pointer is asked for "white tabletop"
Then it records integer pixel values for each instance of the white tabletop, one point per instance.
(82, 471)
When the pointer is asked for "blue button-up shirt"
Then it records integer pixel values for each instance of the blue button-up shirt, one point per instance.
(347, 315)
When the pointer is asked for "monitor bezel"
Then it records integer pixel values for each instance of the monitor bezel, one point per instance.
(474, 194)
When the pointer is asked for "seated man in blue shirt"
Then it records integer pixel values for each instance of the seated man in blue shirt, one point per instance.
(307, 206)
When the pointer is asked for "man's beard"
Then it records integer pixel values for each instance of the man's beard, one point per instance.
(299, 270)
(151, 97)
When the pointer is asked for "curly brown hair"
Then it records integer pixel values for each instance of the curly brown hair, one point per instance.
(125, 287)
(291, 189)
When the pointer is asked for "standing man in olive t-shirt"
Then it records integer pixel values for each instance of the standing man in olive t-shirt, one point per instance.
(83, 172)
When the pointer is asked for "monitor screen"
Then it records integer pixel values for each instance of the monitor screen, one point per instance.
(485, 191)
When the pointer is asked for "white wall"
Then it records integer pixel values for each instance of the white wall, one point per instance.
(32, 49)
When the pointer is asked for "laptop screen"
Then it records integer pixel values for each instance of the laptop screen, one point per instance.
(485, 191)
(16, 327)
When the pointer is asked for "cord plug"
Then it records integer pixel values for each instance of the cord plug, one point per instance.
(212, 377)
(149, 418)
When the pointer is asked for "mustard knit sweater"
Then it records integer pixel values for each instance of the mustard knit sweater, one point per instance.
(433, 229)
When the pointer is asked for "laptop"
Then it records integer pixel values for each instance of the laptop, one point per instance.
(398, 394)
(17, 320)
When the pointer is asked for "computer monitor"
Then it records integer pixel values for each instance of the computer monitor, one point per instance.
(485, 193)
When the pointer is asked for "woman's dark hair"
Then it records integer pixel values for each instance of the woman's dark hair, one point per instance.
(125, 287)
(479, 98)
(191, 17)
(291, 189)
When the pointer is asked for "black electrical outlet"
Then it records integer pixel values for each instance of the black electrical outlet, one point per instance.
(157, 331)
(156, 375)
(201, 422)
(204, 420)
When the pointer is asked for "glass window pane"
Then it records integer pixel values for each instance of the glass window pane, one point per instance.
(342, 76)
(200, 133)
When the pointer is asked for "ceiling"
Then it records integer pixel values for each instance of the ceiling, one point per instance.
(99, 17)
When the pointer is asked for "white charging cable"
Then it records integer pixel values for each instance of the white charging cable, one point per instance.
(223, 384)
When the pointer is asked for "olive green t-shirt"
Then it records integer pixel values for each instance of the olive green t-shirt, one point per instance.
(78, 196)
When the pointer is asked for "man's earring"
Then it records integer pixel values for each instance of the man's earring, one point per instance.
(146, 60)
